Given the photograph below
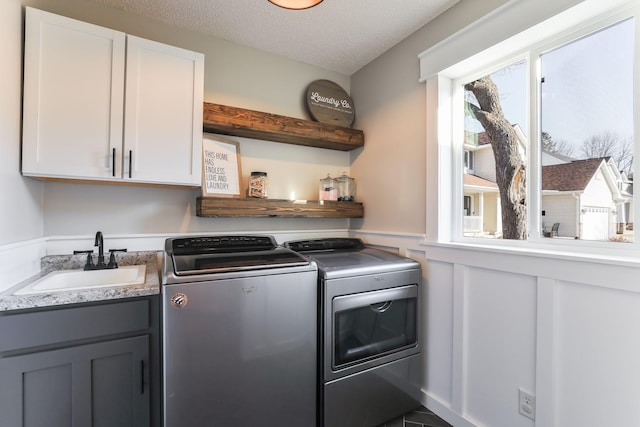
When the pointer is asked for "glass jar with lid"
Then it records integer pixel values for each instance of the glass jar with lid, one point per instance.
(346, 188)
(258, 185)
(327, 189)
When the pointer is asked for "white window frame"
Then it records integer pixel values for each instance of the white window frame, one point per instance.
(444, 143)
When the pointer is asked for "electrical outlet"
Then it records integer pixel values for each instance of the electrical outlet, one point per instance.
(527, 404)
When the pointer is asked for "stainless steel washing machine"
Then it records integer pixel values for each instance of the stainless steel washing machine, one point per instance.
(370, 350)
(239, 333)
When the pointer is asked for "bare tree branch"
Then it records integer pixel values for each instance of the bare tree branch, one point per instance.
(610, 144)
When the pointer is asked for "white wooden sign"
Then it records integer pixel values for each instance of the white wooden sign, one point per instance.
(220, 167)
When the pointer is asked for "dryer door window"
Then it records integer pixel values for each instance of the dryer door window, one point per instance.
(372, 324)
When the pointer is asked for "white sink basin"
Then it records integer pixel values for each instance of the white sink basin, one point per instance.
(67, 280)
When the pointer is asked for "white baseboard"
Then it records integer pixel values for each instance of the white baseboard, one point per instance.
(444, 411)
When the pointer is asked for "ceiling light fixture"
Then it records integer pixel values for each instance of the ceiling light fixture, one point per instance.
(296, 4)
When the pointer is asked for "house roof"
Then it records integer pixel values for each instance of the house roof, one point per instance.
(478, 139)
(482, 139)
(476, 181)
(573, 176)
(561, 158)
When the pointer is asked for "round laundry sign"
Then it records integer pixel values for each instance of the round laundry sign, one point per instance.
(329, 103)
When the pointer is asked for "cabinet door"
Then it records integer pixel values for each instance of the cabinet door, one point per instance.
(163, 113)
(102, 384)
(73, 98)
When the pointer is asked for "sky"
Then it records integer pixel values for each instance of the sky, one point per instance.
(588, 87)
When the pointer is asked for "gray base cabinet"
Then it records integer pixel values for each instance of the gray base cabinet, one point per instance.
(55, 374)
(95, 385)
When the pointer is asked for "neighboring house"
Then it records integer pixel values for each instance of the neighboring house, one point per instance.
(482, 212)
(626, 188)
(590, 199)
(482, 215)
(586, 198)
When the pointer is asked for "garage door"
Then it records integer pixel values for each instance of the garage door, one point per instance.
(595, 223)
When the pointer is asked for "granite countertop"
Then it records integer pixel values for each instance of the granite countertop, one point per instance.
(151, 286)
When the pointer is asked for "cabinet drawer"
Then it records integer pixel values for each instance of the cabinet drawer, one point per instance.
(24, 330)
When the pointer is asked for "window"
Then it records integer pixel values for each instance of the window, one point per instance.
(468, 206)
(550, 131)
(586, 110)
(468, 161)
(494, 108)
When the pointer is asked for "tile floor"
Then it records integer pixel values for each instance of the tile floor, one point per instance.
(421, 417)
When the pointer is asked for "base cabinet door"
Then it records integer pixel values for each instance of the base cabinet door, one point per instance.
(101, 384)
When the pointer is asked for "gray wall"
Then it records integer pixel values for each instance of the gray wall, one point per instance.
(234, 75)
(21, 215)
(391, 107)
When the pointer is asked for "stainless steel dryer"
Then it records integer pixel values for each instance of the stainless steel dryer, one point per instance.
(370, 352)
(239, 332)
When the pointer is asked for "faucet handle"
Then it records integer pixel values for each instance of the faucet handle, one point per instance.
(112, 257)
(89, 264)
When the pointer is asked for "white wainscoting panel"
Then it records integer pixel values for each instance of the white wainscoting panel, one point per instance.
(545, 344)
(499, 344)
(19, 261)
(597, 356)
(565, 327)
(438, 324)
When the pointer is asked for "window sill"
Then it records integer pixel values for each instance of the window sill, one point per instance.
(530, 250)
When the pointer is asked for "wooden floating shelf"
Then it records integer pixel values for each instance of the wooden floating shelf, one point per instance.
(219, 207)
(235, 121)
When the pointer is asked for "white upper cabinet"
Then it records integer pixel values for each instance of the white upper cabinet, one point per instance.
(73, 97)
(163, 113)
(104, 106)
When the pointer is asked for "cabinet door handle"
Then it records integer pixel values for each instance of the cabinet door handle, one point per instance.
(142, 377)
(130, 161)
(113, 163)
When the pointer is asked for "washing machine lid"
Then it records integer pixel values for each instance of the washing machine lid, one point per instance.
(219, 254)
(340, 257)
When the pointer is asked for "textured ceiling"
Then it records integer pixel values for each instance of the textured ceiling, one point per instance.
(339, 35)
